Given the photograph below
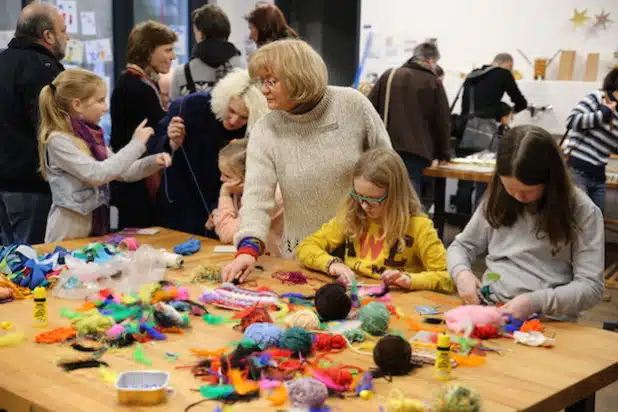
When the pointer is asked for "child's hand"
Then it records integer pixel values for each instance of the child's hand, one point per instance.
(521, 307)
(232, 188)
(210, 224)
(343, 273)
(467, 286)
(164, 160)
(176, 132)
(143, 133)
(397, 278)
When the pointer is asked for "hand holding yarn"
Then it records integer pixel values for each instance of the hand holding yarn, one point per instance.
(397, 278)
(467, 286)
(240, 268)
(342, 272)
(521, 307)
(176, 132)
(163, 160)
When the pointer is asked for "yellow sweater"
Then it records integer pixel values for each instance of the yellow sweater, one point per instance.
(423, 258)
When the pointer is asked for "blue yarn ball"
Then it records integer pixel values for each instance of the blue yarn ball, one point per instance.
(264, 334)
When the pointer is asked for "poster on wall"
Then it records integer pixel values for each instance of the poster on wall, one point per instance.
(5, 38)
(98, 51)
(68, 8)
(74, 53)
(89, 23)
(180, 47)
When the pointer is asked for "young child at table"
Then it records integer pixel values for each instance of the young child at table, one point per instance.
(542, 235)
(383, 230)
(224, 219)
(75, 159)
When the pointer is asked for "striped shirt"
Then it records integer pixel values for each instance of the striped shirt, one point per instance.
(593, 134)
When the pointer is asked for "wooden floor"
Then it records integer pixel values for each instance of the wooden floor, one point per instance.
(607, 310)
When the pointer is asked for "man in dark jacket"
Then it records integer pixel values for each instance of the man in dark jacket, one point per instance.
(213, 57)
(418, 118)
(490, 83)
(31, 61)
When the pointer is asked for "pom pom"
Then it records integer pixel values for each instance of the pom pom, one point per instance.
(457, 398)
(468, 316)
(298, 340)
(307, 393)
(183, 294)
(305, 318)
(374, 318)
(332, 302)
(264, 334)
(393, 355)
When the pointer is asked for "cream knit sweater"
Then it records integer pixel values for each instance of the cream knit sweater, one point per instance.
(311, 156)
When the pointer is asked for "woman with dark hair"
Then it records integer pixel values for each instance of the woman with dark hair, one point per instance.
(542, 235)
(592, 137)
(267, 23)
(137, 97)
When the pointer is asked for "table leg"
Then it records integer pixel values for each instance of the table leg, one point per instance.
(584, 405)
(439, 215)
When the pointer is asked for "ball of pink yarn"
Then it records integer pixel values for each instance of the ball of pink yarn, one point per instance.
(460, 318)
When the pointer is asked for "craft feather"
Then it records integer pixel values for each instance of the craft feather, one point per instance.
(81, 364)
(82, 348)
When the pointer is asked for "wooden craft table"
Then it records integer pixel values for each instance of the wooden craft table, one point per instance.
(521, 379)
(450, 171)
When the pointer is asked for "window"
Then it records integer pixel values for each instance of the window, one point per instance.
(8, 19)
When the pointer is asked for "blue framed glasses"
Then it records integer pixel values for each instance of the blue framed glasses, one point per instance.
(371, 201)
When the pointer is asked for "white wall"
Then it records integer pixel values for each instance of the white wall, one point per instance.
(471, 32)
(236, 11)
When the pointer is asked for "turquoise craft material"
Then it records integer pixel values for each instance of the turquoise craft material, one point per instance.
(354, 335)
(264, 334)
(298, 340)
(374, 318)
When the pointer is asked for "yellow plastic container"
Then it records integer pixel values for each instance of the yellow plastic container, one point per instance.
(142, 387)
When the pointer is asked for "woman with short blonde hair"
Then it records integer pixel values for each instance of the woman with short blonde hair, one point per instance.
(308, 144)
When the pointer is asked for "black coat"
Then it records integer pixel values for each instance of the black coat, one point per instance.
(25, 67)
(489, 89)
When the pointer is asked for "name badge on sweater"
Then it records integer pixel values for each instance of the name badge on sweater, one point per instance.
(328, 127)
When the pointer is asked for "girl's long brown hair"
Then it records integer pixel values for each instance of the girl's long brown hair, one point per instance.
(530, 154)
(270, 24)
(384, 168)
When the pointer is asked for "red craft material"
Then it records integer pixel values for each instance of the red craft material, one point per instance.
(340, 376)
(329, 343)
(533, 325)
(485, 332)
(292, 278)
(253, 315)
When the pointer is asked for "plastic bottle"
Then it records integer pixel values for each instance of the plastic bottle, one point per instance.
(442, 368)
(40, 307)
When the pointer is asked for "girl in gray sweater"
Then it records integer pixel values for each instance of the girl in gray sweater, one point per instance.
(542, 235)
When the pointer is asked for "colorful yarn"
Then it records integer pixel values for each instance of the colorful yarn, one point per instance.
(332, 302)
(329, 343)
(354, 335)
(305, 318)
(485, 332)
(340, 376)
(291, 278)
(56, 335)
(307, 393)
(298, 340)
(393, 355)
(374, 318)
(254, 315)
(129, 243)
(206, 274)
(397, 402)
(92, 322)
(236, 298)
(188, 248)
(250, 246)
(264, 334)
(457, 398)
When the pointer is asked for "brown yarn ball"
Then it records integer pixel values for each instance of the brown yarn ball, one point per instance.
(332, 302)
(393, 355)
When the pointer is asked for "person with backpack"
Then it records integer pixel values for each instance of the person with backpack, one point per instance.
(213, 57)
(483, 91)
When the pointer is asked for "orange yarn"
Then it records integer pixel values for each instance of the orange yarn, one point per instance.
(340, 376)
(414, 325)
(86, 307)
(533, 325)
(208, 353)
(170, 330)
(279, 396)
(242, 386)
(329, 343)
(56, 335)
(164, 295)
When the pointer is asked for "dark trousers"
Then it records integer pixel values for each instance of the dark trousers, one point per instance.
(23, 217)
(415, 165)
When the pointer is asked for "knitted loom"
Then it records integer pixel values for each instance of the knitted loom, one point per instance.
(229, 296)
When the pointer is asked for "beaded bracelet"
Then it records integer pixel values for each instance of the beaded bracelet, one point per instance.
(330, 263)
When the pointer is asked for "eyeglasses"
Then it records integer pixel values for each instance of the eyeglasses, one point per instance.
(270, 82)
(371, 201)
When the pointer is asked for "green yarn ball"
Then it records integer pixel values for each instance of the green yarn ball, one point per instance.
(374, 318)
(298, 340)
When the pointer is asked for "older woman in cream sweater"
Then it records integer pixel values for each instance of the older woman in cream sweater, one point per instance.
(308, 144)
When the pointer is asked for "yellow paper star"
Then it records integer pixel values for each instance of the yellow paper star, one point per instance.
(603, 20)
(579, 18)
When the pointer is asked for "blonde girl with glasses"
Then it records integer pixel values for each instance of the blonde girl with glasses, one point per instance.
(385, 234)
